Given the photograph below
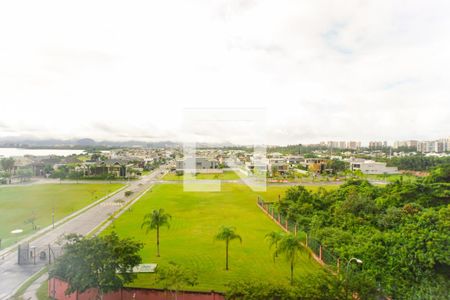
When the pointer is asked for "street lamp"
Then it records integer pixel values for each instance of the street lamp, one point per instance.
(359, 262)
(53, 217)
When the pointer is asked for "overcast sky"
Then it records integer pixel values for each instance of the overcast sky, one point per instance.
(321, 70)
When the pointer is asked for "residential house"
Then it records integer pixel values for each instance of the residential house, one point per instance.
(198, 165)
(371, 167)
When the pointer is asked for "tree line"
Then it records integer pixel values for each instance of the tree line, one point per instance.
(400, 232)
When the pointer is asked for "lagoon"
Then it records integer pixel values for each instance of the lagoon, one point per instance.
(14, 152)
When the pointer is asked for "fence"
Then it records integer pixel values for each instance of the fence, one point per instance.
(57, 288)
(320, 253)
(37, 255)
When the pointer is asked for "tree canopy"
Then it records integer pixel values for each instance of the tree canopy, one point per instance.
(102, 262)
(400, 231)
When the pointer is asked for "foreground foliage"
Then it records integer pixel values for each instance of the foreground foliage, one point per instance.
(174, 277)
(104, 263)
(400, 231)
(320, 286)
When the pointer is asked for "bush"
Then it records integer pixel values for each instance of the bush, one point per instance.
(320, 286)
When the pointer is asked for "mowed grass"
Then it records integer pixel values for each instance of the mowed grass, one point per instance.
(196, 218)
(227, 175)
(18, 204)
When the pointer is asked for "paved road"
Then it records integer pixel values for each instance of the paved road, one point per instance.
(13, 275)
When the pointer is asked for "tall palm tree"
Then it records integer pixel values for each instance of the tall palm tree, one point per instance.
(227, 234)
(274, 238)
(291, 247)
(155, 220)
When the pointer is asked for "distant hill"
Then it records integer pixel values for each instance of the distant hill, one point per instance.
(17, 142)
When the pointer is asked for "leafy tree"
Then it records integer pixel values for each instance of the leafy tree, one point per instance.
(400, 231)
(7, 165)
(153, 221)
(101, 262)
(174, 277)
(417, 162)
(317, 286)
(291, 247)
(25, 174)
(258, 290)
(337, 165)
(440, 174)
(227, 234)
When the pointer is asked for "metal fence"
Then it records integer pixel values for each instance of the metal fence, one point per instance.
(37, 255)
(323, 255)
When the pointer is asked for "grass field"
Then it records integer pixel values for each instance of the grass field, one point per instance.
(196, 218)
(42, 292)
(227, 175)
(393, 177)
(18, 204)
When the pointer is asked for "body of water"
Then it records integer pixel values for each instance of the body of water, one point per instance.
(12, 152)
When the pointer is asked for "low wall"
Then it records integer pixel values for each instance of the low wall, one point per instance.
(57, 288)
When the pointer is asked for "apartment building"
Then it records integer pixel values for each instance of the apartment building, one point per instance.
(408, 143)
(377, 144)
(437, 146)
(354, 145)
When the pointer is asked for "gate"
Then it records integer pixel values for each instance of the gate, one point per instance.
(37, 255)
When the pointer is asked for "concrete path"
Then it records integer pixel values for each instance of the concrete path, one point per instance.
(13, 275)
(31, 292)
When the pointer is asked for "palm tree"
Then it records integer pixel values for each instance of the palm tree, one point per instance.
(227, 234)
(273, 238)
(291, 247)
(155, 220)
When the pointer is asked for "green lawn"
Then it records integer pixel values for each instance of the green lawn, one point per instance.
(393, 177)
(226, 175)
(196, 218)
(42, 292)
(17, 204)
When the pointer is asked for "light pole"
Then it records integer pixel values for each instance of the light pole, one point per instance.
(53, 217)
(359, 262)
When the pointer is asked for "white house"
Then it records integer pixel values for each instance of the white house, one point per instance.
(198, 165)
(371, 167)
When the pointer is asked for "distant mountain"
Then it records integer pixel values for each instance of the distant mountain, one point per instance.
(85, 142)
(28, 142)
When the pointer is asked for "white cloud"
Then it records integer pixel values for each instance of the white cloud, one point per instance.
(321, 69)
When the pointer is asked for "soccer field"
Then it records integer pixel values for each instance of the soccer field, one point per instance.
(196, 218)
(19, 204)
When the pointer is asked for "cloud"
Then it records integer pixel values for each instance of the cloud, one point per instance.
(321, 69)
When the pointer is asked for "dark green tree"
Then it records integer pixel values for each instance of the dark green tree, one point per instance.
(174, 277)
(101, 262)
